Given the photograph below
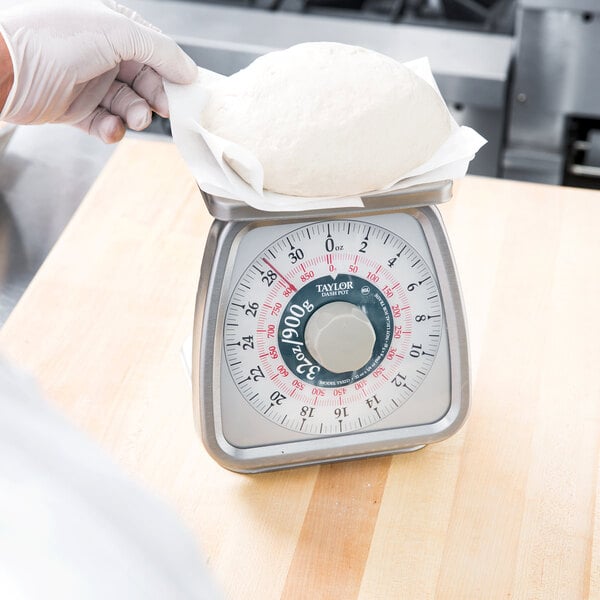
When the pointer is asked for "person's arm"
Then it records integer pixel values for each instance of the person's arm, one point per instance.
(7, 75)
(72, 524)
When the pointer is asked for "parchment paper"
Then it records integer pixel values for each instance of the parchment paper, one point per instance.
(203, 153)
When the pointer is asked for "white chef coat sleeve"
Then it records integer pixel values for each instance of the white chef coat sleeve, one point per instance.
(72, 526)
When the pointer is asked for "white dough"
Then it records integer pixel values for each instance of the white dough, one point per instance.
(327, 119)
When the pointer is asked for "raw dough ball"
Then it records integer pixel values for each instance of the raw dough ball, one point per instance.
(327, 119)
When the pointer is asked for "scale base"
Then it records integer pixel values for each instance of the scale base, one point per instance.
(312, 463)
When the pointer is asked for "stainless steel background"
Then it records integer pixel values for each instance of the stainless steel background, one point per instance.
(556, 78)
(44, 174)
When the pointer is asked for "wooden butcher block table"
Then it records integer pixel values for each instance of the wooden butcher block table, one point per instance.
(507, 508)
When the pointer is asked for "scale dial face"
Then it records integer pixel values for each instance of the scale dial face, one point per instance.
(332, 327)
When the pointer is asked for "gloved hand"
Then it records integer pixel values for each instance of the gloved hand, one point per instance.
(92, 63)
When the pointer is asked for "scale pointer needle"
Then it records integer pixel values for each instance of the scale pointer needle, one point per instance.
(291, 286)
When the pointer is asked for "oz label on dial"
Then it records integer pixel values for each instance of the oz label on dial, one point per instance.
(333, 327)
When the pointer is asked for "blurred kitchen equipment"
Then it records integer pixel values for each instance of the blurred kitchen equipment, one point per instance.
(6, 133)
(555, 95)
(13, 276)
(60, 158)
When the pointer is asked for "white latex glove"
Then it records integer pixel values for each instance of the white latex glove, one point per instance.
(92, 63)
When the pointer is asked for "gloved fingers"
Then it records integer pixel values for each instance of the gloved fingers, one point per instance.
(88, 96)
(122, 101)
(109, 128)
(147, 83)
(153, 48)
(129, 13)
(161, 53)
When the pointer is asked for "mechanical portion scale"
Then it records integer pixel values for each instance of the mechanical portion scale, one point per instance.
(328, 335)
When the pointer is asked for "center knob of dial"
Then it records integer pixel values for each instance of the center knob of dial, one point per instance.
(340, 337)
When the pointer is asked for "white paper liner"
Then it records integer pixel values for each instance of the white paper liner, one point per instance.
(204, 152)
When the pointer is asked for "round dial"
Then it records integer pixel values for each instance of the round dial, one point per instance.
(332, 327)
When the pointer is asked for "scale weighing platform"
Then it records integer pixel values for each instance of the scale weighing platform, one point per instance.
(328, 335)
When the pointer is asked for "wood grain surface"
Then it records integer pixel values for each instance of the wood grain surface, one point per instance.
(507, 508)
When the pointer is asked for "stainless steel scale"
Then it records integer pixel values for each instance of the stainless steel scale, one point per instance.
(328, 335)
